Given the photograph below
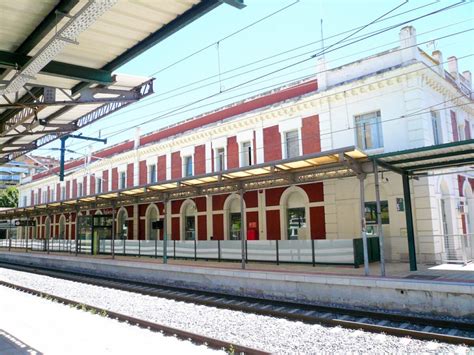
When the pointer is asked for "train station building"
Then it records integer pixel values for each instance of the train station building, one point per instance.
(298, 155)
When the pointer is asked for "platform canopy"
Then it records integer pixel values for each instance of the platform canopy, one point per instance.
(419, 161)
(337, 163)
(58, 57)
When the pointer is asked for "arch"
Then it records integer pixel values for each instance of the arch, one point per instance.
(47, 228)
(152, 214)
(62, 227)
(98, 212)
(232, 217)
(294, 214)
(122, 223)
(188, 216)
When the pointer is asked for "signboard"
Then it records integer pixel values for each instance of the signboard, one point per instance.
(157, 224)
(400, 204)
(21, 223)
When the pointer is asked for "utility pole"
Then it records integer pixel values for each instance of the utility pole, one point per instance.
(63, 149)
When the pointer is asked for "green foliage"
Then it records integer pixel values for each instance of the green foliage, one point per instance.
(9, 197)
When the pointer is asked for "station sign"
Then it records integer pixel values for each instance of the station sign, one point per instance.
(21, 223)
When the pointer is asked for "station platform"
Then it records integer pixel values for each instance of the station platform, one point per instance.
(443, 290)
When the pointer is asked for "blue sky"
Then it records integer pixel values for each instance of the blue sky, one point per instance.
(297, 24)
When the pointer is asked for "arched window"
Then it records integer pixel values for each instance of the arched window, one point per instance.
(62, 227)
(188, 218)
(294, 214)
(47, 226)
(232, 217)
(122, 224)
(151, 216)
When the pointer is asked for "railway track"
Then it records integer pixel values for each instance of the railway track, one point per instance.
(448, 331)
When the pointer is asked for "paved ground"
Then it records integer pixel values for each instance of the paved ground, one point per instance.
(31, 325)
(445, 272)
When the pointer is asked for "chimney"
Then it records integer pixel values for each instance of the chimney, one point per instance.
(136, 142)
(321, 74)
(453, 67)
(409, 49)
(467, 75)
(438, 56)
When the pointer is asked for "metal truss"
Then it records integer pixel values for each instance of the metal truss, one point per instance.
(136, 94)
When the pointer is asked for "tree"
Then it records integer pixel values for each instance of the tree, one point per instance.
(9, 197)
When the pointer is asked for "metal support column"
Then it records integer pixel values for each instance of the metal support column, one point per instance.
(242, 227)
(48, 235)
(9, 234)
(379, 218)
(361, 178)
(165, 234)
(112, 245)
(27, 234)
(76, 231)
(409, 221)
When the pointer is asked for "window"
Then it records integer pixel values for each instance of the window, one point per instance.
(296, 221)
(63, 192)
(220, 159)
(122, 180)
(190, 228)
(235, 226)
(436, 125)
(246, 154)
(25, 201)
(292, 145)
(188, 166)
(52, 192)
(371, 212)
(369, 131)
(79, 189)
(98, 185)
(45, 197)
(151, 173)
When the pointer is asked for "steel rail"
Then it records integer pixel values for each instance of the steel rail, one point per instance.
(289, 310)
(182, 334)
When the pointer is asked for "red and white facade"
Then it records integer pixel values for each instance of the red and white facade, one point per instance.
(393, 91)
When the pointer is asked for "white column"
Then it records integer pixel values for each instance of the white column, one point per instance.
(259, 144)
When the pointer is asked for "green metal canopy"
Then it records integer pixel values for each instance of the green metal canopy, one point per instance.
(419, 161)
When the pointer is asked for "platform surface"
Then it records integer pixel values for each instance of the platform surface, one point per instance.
(438, 273)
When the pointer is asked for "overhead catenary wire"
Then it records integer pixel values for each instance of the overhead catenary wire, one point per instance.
(421, 111)
(357, 28)
(168, 114)
(307, 59)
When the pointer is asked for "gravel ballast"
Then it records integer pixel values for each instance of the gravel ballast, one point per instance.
(257, 331)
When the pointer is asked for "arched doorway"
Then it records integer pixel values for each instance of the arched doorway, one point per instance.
(151, 216)
(294, 214)
(232, 217)
(47, 227)
(188, 220)
(62, 227)
(122, 224)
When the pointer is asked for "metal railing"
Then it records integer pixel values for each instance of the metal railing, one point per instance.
(458, 248)
(339, 251)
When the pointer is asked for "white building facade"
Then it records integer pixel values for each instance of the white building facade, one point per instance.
(396, 100)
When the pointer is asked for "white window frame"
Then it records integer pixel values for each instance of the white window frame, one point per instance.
(120, 186)
(246, 153)
(216, 156)
(292, 124)
(285, 144)
(35, 198)
(25, 201)
(378, 118)
(184, 171)
(45, 196)
(80, 189)
(63, 192)
(52, 192)
(149, 171)
(98, 185)
(436, 127)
